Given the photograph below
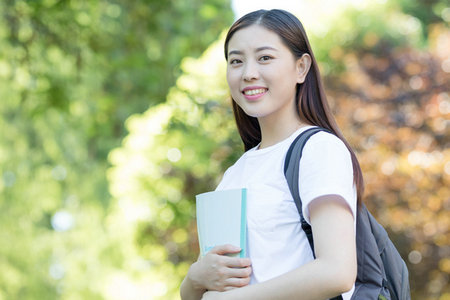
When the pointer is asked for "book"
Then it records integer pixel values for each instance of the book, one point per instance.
(222, 219)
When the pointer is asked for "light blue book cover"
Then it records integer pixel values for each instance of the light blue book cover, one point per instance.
(222, 219)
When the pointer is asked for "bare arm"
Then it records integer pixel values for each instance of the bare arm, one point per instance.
(216, 272)
(332, 273)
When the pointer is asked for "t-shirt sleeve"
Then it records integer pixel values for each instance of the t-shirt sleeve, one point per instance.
(326, 169)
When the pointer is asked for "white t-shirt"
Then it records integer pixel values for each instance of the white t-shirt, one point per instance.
(276, 242)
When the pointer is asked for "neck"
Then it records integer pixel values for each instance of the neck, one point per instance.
(275, 130)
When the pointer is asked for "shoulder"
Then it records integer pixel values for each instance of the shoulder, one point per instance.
(230, 178)
(326, 168)
(326, 160)
(325, 143)
(325, 137)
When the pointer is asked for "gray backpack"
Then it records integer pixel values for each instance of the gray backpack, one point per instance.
(382, 274)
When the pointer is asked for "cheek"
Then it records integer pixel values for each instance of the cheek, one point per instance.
(231, 75)
(233, 82)
(288, 84)
(228, 78)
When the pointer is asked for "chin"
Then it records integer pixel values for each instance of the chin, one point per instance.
(253, 114)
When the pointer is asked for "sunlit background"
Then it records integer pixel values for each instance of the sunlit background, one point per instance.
(114, 114)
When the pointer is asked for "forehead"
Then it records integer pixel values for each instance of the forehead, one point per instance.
(254, 36)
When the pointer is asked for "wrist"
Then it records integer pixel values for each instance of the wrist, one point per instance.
(193, 278)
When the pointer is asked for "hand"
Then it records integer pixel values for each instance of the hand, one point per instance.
(218, 272)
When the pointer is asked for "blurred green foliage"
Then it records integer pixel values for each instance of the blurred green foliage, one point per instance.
(91, 211)
(71, 73)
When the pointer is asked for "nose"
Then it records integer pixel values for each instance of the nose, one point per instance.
(250, 72)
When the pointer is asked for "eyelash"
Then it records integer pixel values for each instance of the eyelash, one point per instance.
(262, 58)
(266, 57)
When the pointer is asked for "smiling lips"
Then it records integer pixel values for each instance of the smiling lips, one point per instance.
(254, 93)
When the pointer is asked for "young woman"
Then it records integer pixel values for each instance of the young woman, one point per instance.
(277, 94)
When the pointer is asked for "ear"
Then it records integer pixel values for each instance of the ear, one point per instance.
(302, 65)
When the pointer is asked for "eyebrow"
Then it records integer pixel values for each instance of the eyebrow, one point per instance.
(237, 52)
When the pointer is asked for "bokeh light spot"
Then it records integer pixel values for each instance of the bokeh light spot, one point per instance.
(174, 154)
(415, 257)
(62, 221)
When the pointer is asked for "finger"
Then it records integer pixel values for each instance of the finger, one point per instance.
(224, 249)
(240, 272)
(236, 262)
(238, 282)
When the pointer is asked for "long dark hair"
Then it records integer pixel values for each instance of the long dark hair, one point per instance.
(311, 101)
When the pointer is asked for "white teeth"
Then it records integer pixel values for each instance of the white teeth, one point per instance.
(254, 92)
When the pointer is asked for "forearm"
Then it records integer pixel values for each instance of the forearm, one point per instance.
(315, 280)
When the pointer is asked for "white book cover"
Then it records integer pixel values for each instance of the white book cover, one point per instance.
(222, 219)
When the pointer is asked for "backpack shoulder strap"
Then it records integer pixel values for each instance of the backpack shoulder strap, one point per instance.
(291, 172)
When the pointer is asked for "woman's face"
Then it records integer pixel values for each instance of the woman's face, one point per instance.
(262, 73)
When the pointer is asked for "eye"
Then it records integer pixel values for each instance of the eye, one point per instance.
(265, 58)
(235, 61)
